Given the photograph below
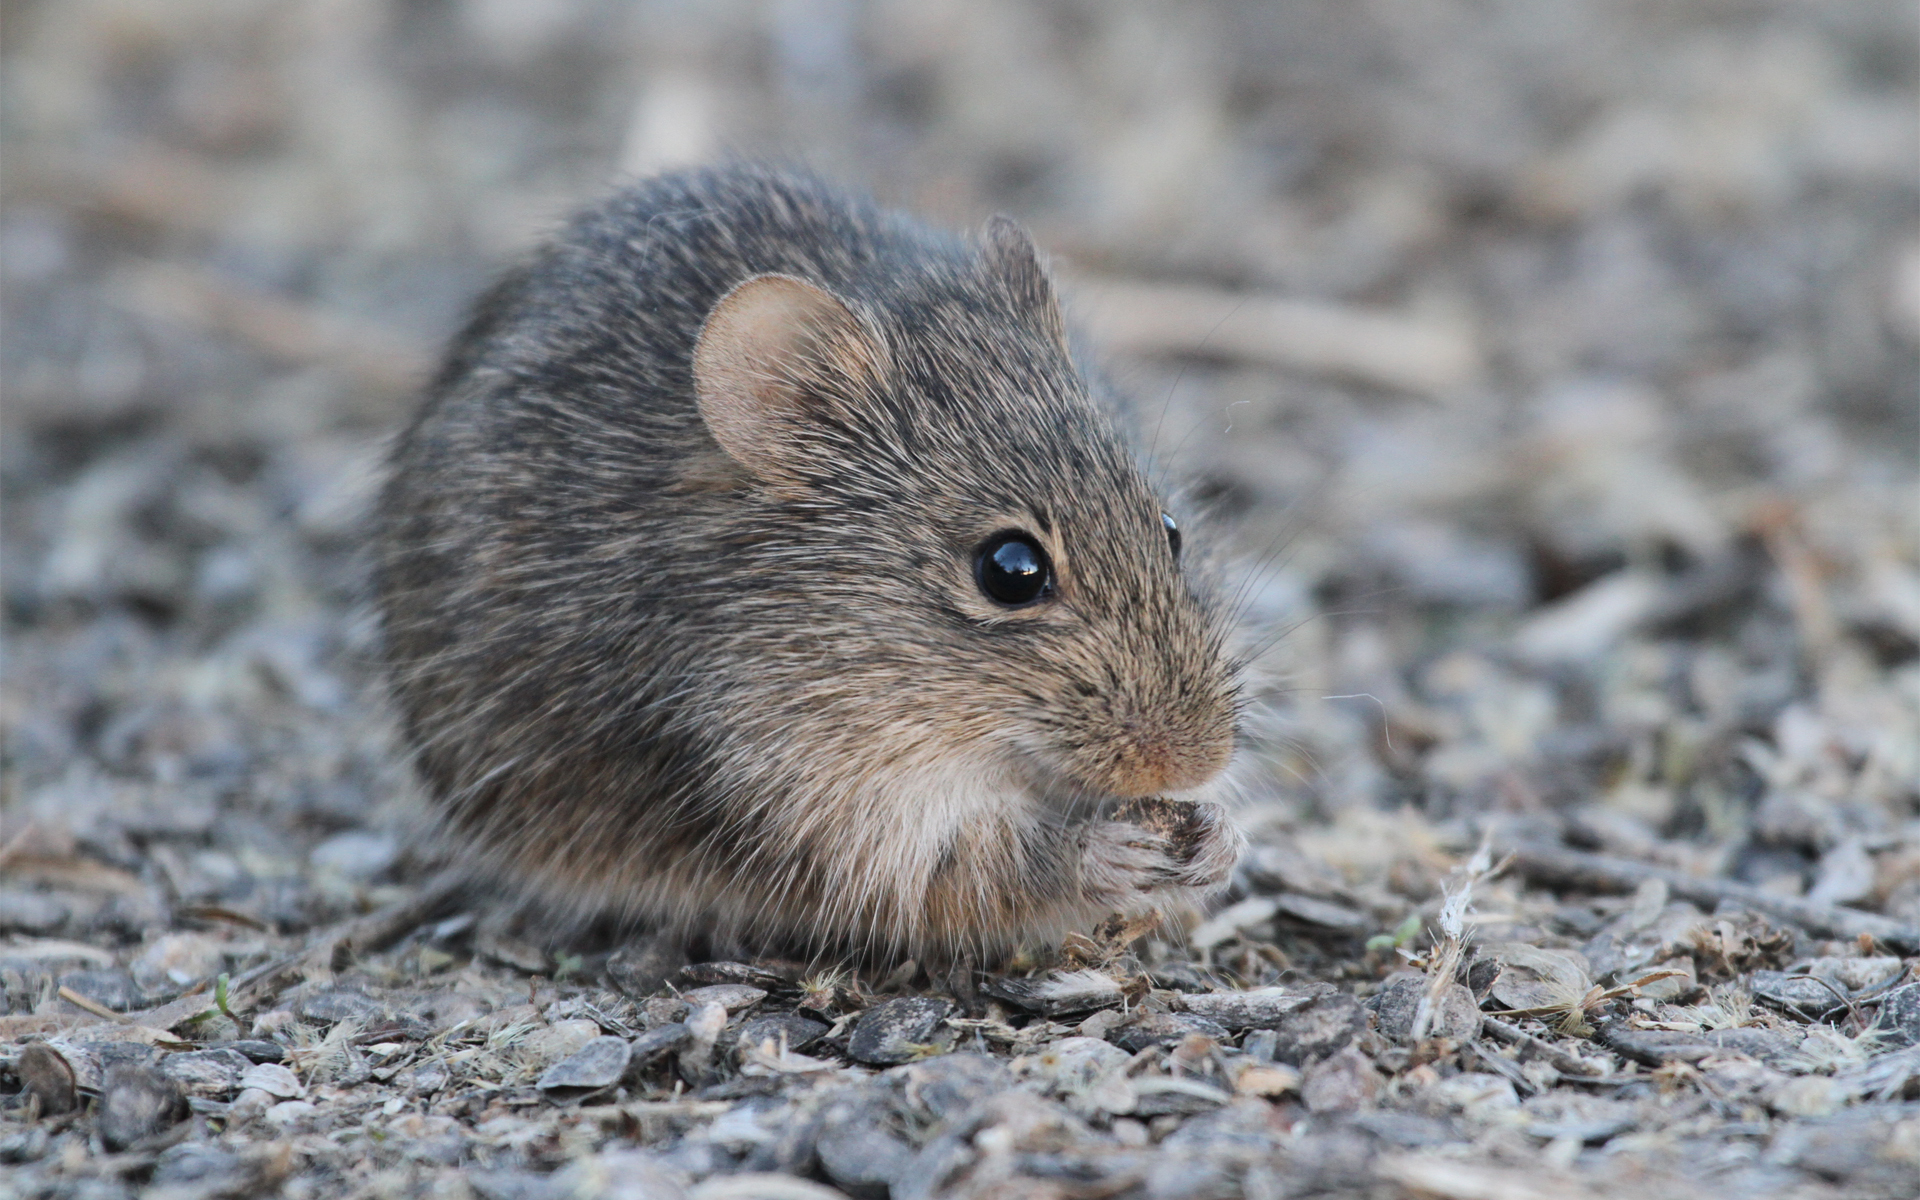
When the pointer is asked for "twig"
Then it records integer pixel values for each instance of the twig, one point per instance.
(278, 325)
(361, 935)
(1381, 348)
(368, 934)
(1554, 866)
(93, 1006)
(1561, 1060)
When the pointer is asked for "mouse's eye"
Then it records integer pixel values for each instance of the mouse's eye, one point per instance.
(1173, 533)
(1013, 569)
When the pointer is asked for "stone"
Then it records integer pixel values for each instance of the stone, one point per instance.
(857, 1145)
(1164, 1029)
(658, 1041)
(641, 968)
(31, 912)
(899, 1030)
(1857, 974)
(214, 1169)
(1259, 1008)
(1072, 1065)
(358, 854)
(518, 953)
(179, 959)
(214, 1074)
(797, 1031)
(1397, 1004)
(135, 1104)
(1801, 996)
(1899, 1020)
(48, 1076)
(734, 997)
(111, 989)
(337, 1004)
(1329, 1023)
(559, 1040)
(274, 1080)
(289, 1113)
(612, 1175)
(256, 1049)
(1343, 1083)
(765, 977)
(1323, 914)
(598, 1064)
(946, 1087)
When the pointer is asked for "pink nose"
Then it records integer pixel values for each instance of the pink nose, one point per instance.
(1148, 764)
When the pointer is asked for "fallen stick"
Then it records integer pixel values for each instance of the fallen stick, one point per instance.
(279, 326)
(99, 1010)
(1554, 866)
(359, 936)
(1381, 348)
(1561, 1060)
(367, 934)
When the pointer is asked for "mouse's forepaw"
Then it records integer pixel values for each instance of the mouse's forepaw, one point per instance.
(1157, 845)
(1201, 838)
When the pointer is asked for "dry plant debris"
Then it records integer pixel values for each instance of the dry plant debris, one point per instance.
(1551, 368)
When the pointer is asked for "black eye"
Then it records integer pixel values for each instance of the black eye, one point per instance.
(1173, 533)
(1013, 569)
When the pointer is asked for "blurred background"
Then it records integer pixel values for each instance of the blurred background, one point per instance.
(1551, 364)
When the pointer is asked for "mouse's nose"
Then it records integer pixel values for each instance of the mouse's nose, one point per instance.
(1150, 757)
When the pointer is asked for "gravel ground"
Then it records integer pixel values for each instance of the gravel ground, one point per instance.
(1553, 363)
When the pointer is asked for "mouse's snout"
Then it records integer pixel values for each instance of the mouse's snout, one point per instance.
(1148, 749)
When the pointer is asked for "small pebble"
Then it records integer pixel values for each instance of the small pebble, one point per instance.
(899, 1030)
(336, 1004)
(179, 959)
(1900, 1016)
(734, 997)
(798, 1032)
(1259, 1008)
(642, 968)
(1396, 1007)
(47, 1076)
(290, 1112)
(136, 1103)
(1345, 1082)
(256, 1049)
(111, 989)
(600, 1063)
(857, 1146)
(31, 912)
(1164, 1029)
(273, 1079)
(210, 1073)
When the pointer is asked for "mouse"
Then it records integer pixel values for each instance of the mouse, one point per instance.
(768, 567)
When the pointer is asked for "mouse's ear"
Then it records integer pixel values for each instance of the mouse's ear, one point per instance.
(772, 356)
(1013, 260)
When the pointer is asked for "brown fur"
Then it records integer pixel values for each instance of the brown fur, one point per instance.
(747, 685)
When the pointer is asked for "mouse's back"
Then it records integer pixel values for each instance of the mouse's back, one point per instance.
(761, 565)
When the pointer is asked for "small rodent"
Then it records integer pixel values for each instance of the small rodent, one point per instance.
(761, 568)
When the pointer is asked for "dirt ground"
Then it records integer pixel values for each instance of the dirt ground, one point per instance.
(1553, 365)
